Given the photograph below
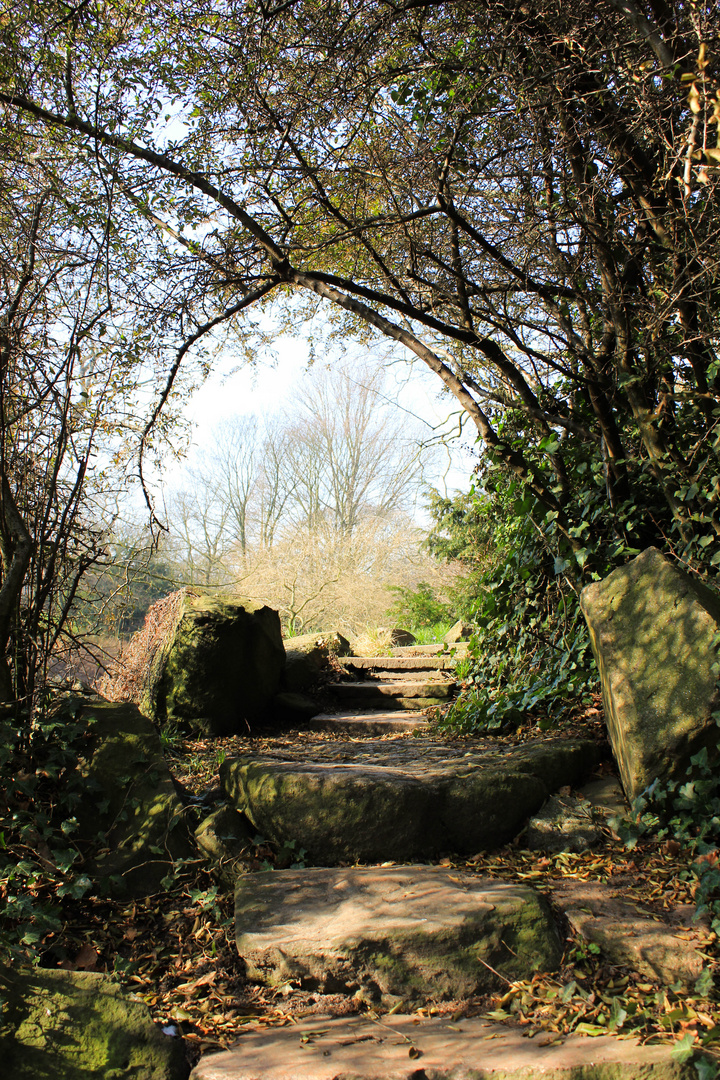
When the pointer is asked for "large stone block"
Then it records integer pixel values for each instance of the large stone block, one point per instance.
(652, 629)
(380, 800)
(63, 1025)
(132, 823)
(418, 932)
(221, 667)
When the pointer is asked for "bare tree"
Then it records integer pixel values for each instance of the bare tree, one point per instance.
(310, 511)
(524, 195)
(57, 395)
(349, 456)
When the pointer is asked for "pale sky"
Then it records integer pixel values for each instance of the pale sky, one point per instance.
(267, 387)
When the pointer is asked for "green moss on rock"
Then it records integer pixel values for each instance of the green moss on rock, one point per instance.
(652, 629)
(221, 667)
(61, 1025)
(399, 801)
(132, 822)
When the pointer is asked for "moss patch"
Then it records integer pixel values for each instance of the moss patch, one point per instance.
(221, 669)
(78, 1026)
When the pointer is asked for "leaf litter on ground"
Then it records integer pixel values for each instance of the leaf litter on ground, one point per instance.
(176, 952)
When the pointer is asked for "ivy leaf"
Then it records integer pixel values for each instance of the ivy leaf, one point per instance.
(684, 1048)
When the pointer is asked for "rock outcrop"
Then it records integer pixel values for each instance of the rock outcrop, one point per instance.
(220, 668)
(653, 630)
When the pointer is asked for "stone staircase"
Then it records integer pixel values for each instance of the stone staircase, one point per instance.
(385, 694)
(404, 933)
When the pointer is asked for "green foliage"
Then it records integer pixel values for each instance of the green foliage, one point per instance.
(40, 864)
(531, 652)
(687, 811)
(419, 607)
(288, 857)
(430, 635)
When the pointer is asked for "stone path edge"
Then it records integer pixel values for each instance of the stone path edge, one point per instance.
(403, 1048)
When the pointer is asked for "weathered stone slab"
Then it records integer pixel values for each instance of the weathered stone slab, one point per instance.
(369, 723)
(400, 688)
(408, 932)
(63, 1025)
(398, 799)
(437, 648)
(397, 663)
(132, 822)
(652, 628)
(628, 935)
(366, 1049)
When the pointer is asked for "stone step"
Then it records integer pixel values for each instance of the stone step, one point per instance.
(410, 1048)
(373, 800)
(397, 663)
(394, 688)
(371, 722)
(363, 703)
(437, 648)
(392, 933)
(668, 950)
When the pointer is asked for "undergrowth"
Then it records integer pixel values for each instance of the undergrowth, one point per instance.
(687, 814)
(41, 870)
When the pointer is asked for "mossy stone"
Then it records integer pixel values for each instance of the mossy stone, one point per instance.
(653, 628)
(132, 821)
(220, 669)
(400, 800)
(222, 837)
(63, 1025)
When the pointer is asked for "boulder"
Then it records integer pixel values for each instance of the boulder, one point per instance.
(563, 824)
(403, 799)
(73, 1025)
(652, 629)
(293, 708)
(222, 837)
(459, 631)
(220, 668)
(417, 932)
(132, 823)
(307, 657)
